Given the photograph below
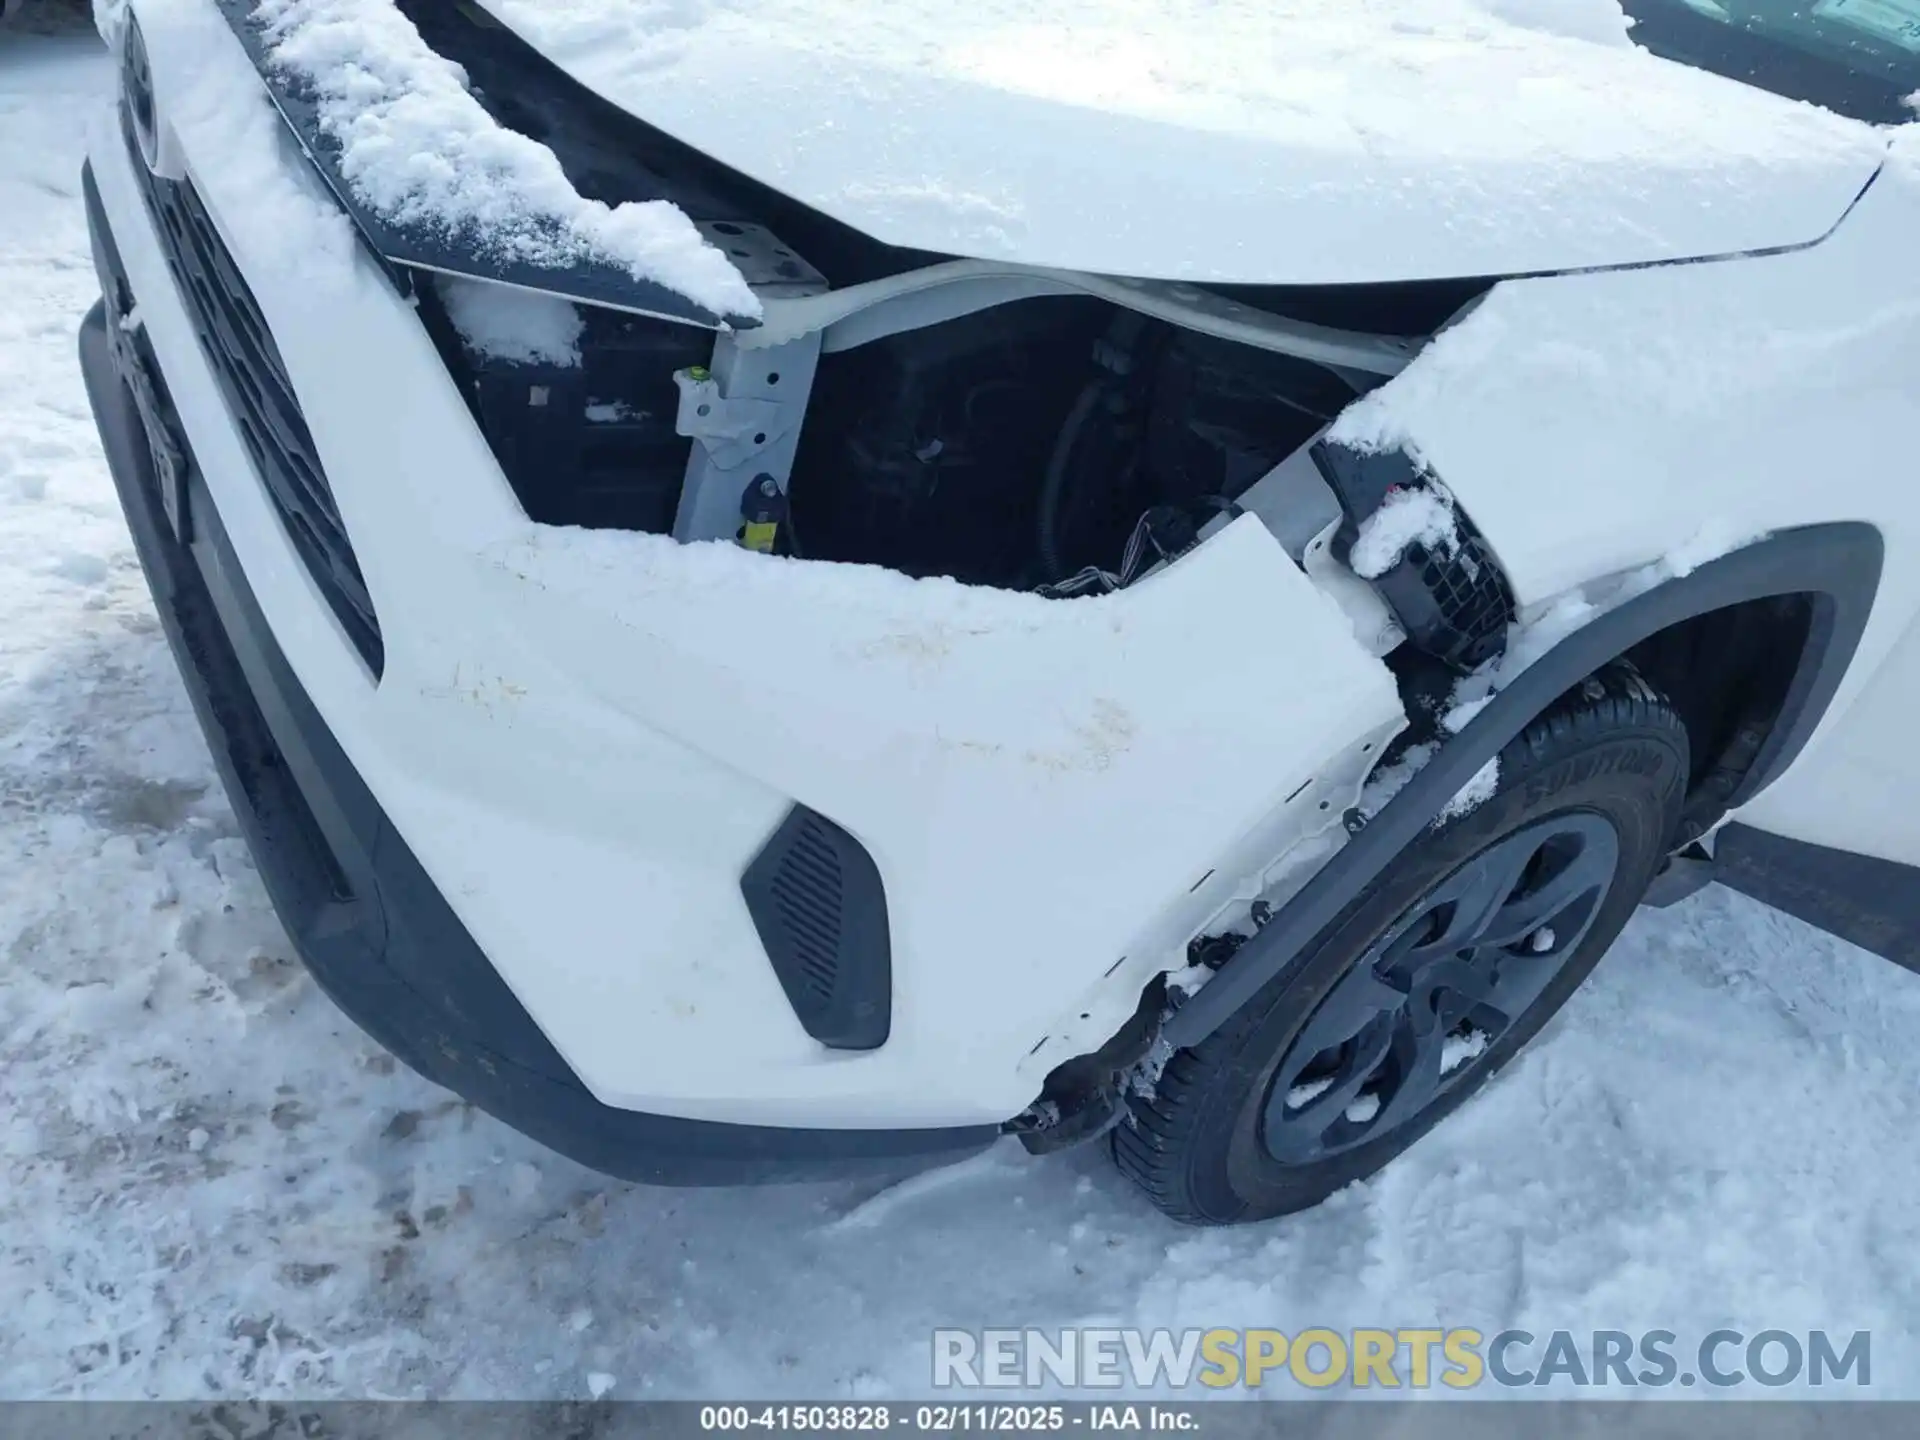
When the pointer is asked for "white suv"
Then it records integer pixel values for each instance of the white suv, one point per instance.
(800, 594)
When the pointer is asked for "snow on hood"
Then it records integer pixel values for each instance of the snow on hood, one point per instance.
(1263, 141)
(420, 153)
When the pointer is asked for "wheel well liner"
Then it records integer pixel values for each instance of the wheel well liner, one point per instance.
(1836, 565)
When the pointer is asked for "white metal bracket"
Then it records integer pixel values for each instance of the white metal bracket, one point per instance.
(743, 413)
(733, 430)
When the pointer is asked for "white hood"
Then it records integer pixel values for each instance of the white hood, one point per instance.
(1226, 141)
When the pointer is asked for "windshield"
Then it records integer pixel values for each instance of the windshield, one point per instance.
(1858, 57)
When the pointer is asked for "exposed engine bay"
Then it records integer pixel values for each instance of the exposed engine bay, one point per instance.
(1024, 445)
(1002, 426)
(1059, 443)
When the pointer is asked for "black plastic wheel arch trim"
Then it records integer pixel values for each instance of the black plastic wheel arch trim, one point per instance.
(817, 899)
(1867, 901)
(1837, 565)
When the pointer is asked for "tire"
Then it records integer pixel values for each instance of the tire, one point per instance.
(1255, 1121)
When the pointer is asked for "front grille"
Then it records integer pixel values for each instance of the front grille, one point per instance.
(247, 364)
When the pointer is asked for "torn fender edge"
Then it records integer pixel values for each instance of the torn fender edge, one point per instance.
(1837, 564)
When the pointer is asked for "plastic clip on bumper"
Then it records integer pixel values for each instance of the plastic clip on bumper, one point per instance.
(365, 918)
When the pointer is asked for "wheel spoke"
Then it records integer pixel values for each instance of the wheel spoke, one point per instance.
(1588, 871)
(1445, 979)
(1486, 1013)
(1473, 895)
(1522, 978)
(1417, 1076)
(1470, 959)
(1370, 1048)
(1353, 1004)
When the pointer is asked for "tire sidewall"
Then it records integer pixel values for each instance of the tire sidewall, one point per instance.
(1633, 777)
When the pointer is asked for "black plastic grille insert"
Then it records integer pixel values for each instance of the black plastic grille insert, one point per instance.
(1456, 605)
(817, 900)
(253, 379)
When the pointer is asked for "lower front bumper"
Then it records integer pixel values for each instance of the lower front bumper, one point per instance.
(365, 918)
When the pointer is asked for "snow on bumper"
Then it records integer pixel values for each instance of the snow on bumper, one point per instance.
(586, 737)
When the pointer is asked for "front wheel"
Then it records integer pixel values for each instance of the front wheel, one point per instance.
(1429, 982)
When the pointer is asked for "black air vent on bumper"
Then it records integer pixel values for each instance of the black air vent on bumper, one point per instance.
(253, 380)
(818, 902)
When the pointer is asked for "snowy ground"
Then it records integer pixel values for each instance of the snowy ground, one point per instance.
(210, 1182)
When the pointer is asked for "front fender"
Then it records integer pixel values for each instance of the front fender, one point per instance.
(1838, 565)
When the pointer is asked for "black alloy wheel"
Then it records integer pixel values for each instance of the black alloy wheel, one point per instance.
(1430, 982)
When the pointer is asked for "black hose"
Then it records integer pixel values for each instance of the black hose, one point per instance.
(1053, 490)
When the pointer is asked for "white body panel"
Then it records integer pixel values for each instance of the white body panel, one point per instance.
(1286, 142)
(586, 738)
(1592, 424)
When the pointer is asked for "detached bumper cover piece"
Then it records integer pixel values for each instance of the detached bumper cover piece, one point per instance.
(367, 921)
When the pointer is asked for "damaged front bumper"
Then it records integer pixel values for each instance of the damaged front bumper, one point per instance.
(370, 926)
(578, 743)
